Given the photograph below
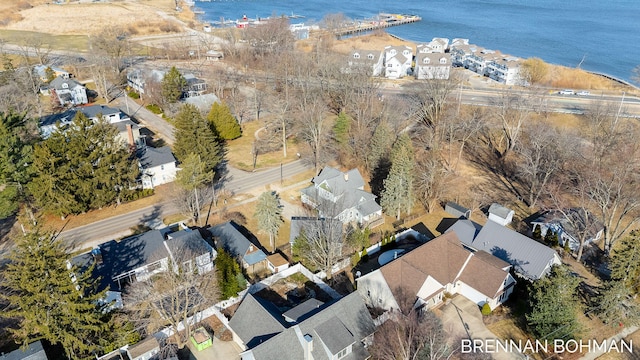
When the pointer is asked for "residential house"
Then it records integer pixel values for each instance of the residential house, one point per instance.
(506, 70)
(398, 61)
(202, 102)
(139, 79)
(529, 258)
(571, 225)
(128, 131)
(500, 214)
(341, 195)
(423, 276)
(369, 61)
(68, 91)
(432, 66)
(139, 257)
(312, 330)
(460, 50)
(157, 166)
(41, 71)
(437, 45)
(195, 86)
(229, 237)
(34, 351)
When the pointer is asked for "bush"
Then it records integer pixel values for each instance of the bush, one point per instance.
(134, 95)
(355, 259)
(486, 309)
(154, 109)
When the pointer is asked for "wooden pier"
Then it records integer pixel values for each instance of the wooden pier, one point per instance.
(383, 21)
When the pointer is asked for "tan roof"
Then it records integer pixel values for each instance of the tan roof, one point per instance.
(444, 258)
(482, 275)
(441, 258)
(143, 347)
(277, 259)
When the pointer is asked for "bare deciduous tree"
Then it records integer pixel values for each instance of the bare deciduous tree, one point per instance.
(512, 109)
(433, 98)
(174, 296)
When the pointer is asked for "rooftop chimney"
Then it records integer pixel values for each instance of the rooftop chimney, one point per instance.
(308, 346)
(130, 136)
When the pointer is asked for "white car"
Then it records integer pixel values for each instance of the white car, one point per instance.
(582, 93)
(566, 92)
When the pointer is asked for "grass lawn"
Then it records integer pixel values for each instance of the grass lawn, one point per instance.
(240, 150)
(56, 42)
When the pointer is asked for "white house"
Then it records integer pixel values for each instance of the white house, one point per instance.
(506, 70)
(68, 91)
(432, 66)
(397, 61)
(342, 196)
(442, 265)
(370, 61)
(157, 166)
(571, 225)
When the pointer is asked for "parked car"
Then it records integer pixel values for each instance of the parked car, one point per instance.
(582, 93)
(566, 92)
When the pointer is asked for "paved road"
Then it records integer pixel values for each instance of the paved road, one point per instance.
(153, 122)
(236, 181)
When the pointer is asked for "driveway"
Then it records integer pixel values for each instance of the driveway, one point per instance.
(220, 350)
(461, 319)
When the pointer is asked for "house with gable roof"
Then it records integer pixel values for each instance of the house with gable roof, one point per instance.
(341, 195)
(432, 66)
(157, 166)
(68, 91)
(369, 61)
(571, 225)
(229, 237)
(312, 330)
(530, 259)
(439, 266)
(397, 61)
(139, 257)
(34, 351)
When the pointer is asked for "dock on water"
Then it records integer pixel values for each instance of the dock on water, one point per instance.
(383, 20)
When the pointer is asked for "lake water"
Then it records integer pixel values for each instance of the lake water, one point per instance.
(602, 34)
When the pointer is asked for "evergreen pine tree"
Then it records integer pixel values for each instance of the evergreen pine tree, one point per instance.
(550, 237)
(381, 142)
(223, 122)
(615, 305)
(173, 86)
(554, 305)
(625, 261)
(398, 192)
(269, 215)
(49, 300)
(341, 129)
(227, 274)
(537, 233)
(193, 135)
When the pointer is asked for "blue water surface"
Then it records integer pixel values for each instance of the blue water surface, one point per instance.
(600, 35)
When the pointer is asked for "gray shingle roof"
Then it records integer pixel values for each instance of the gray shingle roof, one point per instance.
(187, 240)
(123, 256)
(33, 352)
(94, 110)
(256, 321)
(57, 83)
(303, 310)
(528, 257)
(235, 243)
(89, 111)
(151, 157)
(348, 315)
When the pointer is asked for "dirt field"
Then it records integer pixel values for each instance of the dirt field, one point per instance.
(83, 18)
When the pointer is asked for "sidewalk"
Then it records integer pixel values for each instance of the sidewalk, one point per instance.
(624, 333)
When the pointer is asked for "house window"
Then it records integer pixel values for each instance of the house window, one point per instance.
(356, 56)
(426, 60)
(161, 167)
(443, 61)
(370, 56)
(344, 352)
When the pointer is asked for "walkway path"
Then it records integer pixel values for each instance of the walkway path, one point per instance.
(622, 334)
